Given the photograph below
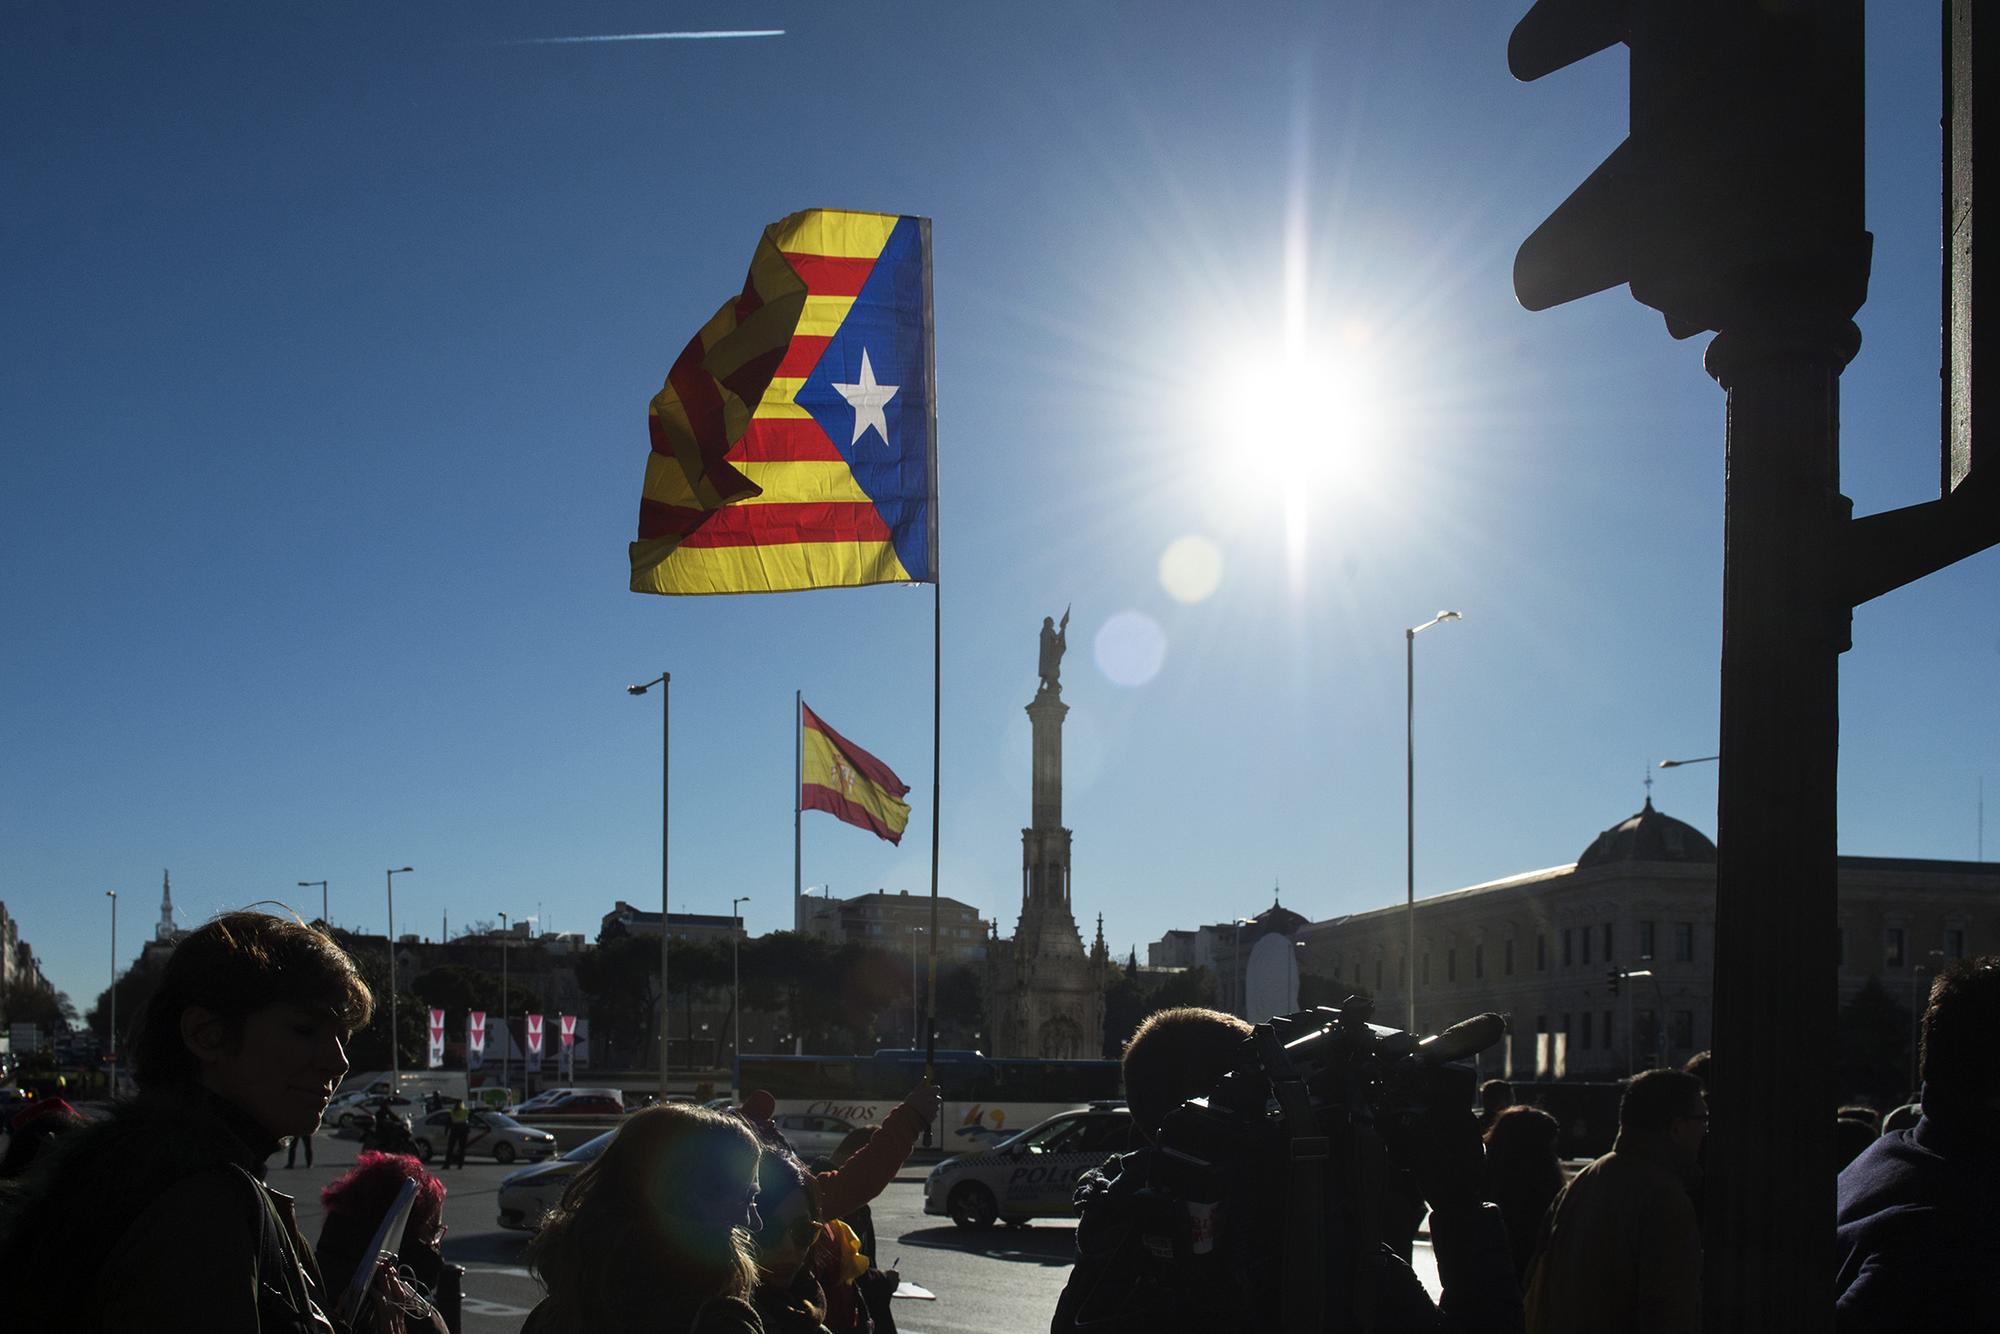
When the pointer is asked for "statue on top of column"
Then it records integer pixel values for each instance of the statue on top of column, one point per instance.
(1055, 641)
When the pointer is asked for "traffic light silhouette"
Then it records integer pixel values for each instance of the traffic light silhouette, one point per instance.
(1738, 189)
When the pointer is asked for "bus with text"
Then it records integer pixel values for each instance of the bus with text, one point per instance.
(986, 1098)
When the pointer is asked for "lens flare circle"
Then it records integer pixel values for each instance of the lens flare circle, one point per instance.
(1130, 648)
(1191, 568)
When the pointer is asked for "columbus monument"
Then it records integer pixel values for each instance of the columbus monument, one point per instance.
(1044, 995)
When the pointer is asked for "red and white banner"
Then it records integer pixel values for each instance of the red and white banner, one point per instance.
(437, 1040)
(475, 1039)
(566, 1057)
(534, 1044)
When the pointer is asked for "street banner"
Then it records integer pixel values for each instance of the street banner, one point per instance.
(534, 1044)
(794, 441)
(475, 1039)
(566, 1055)
(436, 1060)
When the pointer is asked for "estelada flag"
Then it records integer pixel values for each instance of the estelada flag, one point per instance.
(845, 781)
(795, 440)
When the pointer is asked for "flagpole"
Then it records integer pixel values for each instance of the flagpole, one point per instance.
(937, 644)
(798, 784)
(937, 732)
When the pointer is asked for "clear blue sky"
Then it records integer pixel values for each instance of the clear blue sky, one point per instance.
(331, 330)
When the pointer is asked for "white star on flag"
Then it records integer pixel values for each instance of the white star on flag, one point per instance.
(868, 399)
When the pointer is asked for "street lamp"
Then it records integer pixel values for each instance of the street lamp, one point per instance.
(736, 985)
(665, 682)
(1242, 972)
(324, 920)
(111, 1023)
(1699, 759)
(1410, 804)
(395, 1057)
(506, 1036)
(916, 1036)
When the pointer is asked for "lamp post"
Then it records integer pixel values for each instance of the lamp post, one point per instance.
(1699, 759)
(505, 1034)
(324, 920)
(665, 682)
(1410, 805)
(111, 1022)
(916, 1034)
(1631, 1038)
(736, 984)
(395, 1057)
(1242, 972)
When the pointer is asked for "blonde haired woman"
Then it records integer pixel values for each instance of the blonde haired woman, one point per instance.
(655, 1235)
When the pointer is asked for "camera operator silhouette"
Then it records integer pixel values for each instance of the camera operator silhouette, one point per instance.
(1154, 1251)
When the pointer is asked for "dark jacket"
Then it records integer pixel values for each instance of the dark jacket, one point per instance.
(1918, 1227)
(158, 1219)
(720, 1315)
(1117, 1286)
(1621, 1247)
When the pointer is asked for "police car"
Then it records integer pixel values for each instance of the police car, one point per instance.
(1033, 1174)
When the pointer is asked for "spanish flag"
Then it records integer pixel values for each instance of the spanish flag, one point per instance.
(794, 442)
(845, 781)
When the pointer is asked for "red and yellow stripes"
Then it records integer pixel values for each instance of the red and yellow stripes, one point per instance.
(744, 492)
(845, 781)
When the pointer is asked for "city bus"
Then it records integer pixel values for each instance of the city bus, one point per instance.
(986, 1099)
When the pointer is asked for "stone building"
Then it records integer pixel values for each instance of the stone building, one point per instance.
(1542, 947)
(1044, 994)
(892, 921)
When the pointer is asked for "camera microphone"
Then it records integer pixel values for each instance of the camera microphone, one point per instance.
(1466, 1038)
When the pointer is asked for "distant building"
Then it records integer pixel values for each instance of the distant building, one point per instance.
(890, 920)
(1541, 947)
(1223, 948)
(1044, 995)
(688, 926)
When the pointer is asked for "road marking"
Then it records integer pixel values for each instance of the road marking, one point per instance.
(511, 1271)
(479, 1306)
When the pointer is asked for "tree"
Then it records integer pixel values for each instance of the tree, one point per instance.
(369, 1048)
(134, 989)
(456, 988)
(621, 979)
(25, 1003)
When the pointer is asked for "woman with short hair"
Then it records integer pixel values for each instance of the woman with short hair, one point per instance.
(158, 1218)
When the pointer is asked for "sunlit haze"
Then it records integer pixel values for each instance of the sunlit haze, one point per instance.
(332, 328)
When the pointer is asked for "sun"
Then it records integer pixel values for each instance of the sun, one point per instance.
(1296, 421)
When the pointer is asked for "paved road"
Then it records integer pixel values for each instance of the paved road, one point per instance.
(1000, 1282)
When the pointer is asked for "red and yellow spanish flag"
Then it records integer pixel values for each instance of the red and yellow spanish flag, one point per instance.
(794, 442)
(845, 781)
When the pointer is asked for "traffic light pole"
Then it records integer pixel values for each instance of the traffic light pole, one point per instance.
(1785, 618)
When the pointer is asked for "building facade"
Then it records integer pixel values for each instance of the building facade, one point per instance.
(1044, 994)
(893, 921)
(1556, 950)
(688, 926)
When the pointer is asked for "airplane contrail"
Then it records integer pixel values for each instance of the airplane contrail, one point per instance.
(647, 37)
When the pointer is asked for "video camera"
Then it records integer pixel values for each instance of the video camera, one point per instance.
(1276, 1181)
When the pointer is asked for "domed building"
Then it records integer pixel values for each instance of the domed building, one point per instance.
(1554, 949)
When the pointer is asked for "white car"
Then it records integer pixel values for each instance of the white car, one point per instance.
(571, 1104)
(489, 1133)
(1031, 1175)
(356, 1110)
(531, 1192)
(813, 1136)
